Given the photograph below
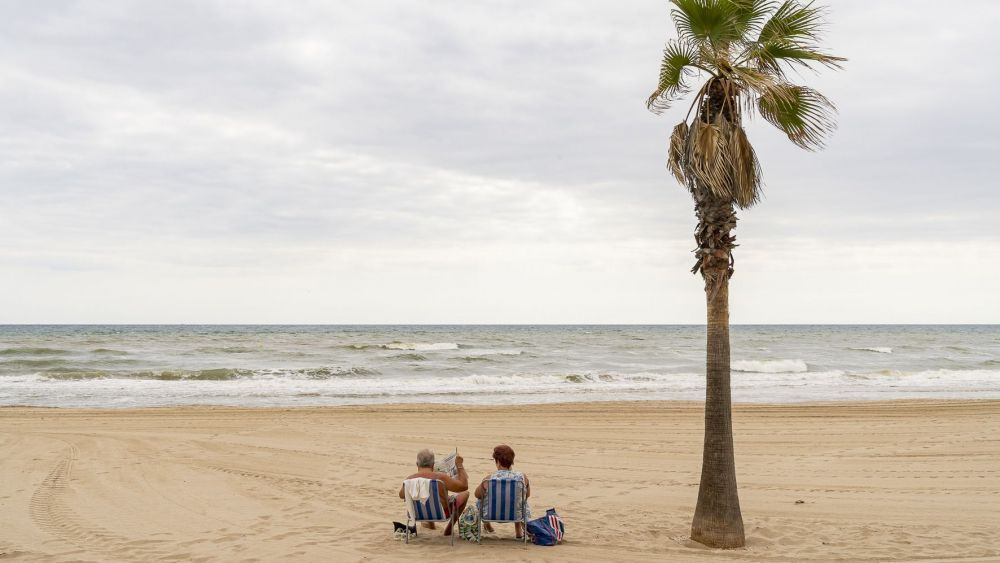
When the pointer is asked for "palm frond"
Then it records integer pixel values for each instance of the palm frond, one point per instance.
(801, 113)
(771, 56)
(678, 63)
(746, 169)
(675, 158)
(716, 156)
(757, 82)
(706, 21)
(793, 22)
(750, 15)
(706, 162)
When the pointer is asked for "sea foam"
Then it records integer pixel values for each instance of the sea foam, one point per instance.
(770, 366)
(421, 346)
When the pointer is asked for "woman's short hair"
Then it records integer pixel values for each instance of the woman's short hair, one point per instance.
(425, 458)
(503, 455)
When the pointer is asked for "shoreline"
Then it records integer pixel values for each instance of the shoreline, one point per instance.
(878, 481)
(410, 406)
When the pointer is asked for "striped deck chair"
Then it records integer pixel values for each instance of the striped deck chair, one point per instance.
(431, 510)
(504, 502)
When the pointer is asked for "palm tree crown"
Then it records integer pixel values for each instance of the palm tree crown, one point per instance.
(747, 48)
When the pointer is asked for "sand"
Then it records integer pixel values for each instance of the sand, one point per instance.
(877, 481)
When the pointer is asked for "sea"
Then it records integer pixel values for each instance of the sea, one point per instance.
(116, 366)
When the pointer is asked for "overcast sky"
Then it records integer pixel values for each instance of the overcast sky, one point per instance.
(471, 162)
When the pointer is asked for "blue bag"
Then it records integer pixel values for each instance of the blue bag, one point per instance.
(547, 530)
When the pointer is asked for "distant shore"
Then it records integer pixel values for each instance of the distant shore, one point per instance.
(882, 481)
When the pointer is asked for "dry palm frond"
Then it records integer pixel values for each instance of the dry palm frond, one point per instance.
(746, 169)
(704, 159)
(716, 157)
(678, 142)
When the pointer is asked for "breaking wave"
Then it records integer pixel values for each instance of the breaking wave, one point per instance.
(213, 374)
(491, 351)
(877, 349)
(229, 349)
(770, 366)
(420, 346)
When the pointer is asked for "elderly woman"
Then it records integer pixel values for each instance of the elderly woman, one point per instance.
(503, 455)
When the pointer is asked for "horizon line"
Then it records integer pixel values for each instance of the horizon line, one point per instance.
(489, 324)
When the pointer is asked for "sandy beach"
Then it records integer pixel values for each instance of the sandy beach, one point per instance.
(876, 481)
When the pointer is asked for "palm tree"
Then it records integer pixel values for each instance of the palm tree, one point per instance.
(743, 50)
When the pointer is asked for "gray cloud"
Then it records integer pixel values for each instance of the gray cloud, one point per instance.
(210, 146)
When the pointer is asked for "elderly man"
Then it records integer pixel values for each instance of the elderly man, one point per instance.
(460, 485)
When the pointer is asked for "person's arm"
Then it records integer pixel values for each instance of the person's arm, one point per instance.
(481, 489)
(401, 495)
(461, 483)
(527, 487)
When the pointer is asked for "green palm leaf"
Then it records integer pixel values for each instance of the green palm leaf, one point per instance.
(793, 22)
(801, 113)
(771, 56)
(679, 62)
(750, 15)
(710, 21)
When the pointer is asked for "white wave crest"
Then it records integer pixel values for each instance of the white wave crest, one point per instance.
(878, 349)
(492, 352)
(421, 346)
(771, 366)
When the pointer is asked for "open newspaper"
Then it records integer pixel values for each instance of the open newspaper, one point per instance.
(447, 464)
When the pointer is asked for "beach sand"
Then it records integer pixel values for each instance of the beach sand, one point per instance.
(877, 481)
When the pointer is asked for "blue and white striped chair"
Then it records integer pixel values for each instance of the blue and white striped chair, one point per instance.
(430, 510)
(504, 501)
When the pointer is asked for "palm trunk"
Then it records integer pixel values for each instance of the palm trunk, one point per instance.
(717, 518)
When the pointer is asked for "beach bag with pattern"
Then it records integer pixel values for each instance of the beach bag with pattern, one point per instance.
(468, 524)
(547, 530)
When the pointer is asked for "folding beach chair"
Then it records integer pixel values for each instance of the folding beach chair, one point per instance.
(430, 510)
(504, 501)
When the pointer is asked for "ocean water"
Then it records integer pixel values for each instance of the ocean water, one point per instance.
(131, 366)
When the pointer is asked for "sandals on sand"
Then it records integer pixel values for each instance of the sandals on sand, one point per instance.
(399, 530)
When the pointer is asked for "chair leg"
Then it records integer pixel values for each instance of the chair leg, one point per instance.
(407, 531)
(454, 529)
(480, 508)
(524, 518)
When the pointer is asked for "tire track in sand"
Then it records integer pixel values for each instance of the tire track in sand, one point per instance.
(49, 511)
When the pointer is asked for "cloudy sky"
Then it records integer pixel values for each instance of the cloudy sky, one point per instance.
(470, 162)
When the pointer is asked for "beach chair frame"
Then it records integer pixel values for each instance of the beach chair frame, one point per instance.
(521, 498)
(434, 501)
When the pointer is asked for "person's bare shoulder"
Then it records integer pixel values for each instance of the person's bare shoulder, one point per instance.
(436, 475)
